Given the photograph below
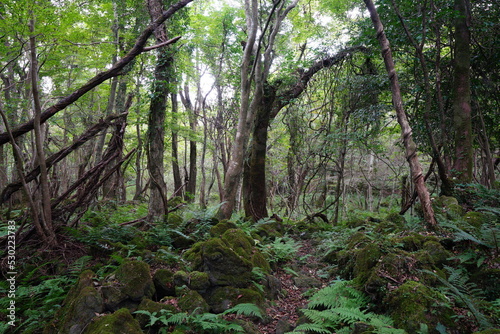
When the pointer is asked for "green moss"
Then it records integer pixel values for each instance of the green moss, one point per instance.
(151, 306)
(270, 230)
(448, 205)
(489, 331)
(437, 252)
(476, 219)
(163, 280)
(366, 259)
(220, 228)
(223, 298)
(198, 281)
(358, 240)
(413, 304)
(174, 220)
(192, 302)
(355, 222)
(181, 278)
(238, 241)
(81, 304)
(259, 260)
(119, 322)
(223, 265)
(414, 241)
(136, 281)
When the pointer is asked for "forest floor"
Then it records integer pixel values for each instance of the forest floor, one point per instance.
(285, 311)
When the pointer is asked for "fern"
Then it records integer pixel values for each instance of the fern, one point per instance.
(457, 287)
(79, 265)
(247, 309)
(336, 308)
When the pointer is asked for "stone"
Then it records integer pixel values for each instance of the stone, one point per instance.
(81, 304)
(163, 280)
(135, 280)
(192, 302)
(120, 321)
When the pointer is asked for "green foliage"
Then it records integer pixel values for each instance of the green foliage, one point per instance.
(202, 323)
(281, 250)
(463, 292)
(337, 307)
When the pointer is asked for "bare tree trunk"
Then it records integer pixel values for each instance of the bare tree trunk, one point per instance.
(246, 115)
(46, 216)
(409, 144)
(175, 149)
(192, 174)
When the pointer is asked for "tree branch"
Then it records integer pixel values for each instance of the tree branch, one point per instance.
(136, 50)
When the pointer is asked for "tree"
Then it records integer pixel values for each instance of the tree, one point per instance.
(409, 144)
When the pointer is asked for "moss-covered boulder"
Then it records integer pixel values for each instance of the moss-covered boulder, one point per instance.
(220, 228)
(192, 302)
(135, 280)
(79, 307)
(222, 298)
(120, 321)
(163, 280)
(198, 281)
(448, 205)
(174, 220)
(271, 230)
(413, 304)
(238, 241)
(151, 307)
(222, 264)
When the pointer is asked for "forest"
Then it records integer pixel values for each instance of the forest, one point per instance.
(250, 166)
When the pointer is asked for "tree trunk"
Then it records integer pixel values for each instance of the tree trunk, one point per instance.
(49, 236)
(175, 149)
(409, 144)
(462, 120)
(254, 176)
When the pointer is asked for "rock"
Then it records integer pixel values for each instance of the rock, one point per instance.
(413, 304)
(119, 322)
(272, 287)
(222, 264)
(238, 241)
(305, 282)
(114, 298)
(220, 228)
(222, 298)
(283, 326)
(270, 230)
(192, 302)
(79, 307)
(163, 280)
(135, 280)
(198, 281)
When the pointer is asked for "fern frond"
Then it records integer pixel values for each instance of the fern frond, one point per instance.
(175, 319)
(314, 328)
(247, 309)
(77, 267)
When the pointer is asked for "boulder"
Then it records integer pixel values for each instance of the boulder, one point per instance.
(120, 321)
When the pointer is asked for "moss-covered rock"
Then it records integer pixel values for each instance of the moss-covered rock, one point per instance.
(163, 280)
(198, 281)
(223, 298)
(238, 241)
(358, 240)
(438, 254)
(413, 304)
(119, 322)
(489, 331)
(413, 241)
(448, 205)
(181, 278)
(135, 280)
(151, 307)
(79, 307)
(271, 230)
(174, 220)
(259, 260)
(192, 302)
(114, 298)
(222, 264)
(220, 228)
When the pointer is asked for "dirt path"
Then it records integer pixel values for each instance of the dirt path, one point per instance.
(285, 310)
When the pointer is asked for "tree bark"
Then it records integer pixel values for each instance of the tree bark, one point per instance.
(462, 120)
(175, 148)
(409, 144)
(46, 211)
